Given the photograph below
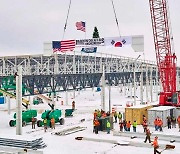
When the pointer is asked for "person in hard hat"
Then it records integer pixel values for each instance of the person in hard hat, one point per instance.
(148, 135)
(45, 124)
(144, 124)
(73, 105)
(134, 125)
(115, 116)
(52, 123)
(121, 125)
(120, 116)
(156, 145)
(173, 119)
(178, 120)
(96, 125)
(160, 124)
(156, 124)
(108, 125)
(33, 122)
(128, 126)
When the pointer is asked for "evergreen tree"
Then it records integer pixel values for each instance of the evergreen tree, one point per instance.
(96, 33)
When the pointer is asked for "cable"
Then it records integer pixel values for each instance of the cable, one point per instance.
(66, 20)
(116, 18)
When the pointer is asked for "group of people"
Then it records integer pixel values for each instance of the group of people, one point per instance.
(126, 126)
(45, 123)
(158, 124)
(171, 122)
(96, 123)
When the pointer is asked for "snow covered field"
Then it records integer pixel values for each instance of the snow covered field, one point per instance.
(86, 101)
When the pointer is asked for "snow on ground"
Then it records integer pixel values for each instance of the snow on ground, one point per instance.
(86, 101)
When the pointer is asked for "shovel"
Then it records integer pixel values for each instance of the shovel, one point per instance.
(168, 146)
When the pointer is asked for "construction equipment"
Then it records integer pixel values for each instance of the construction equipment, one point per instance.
(9, 83)
(37, 100)
(49, 114)
(26, 117)
(25, 101)
(166, 58)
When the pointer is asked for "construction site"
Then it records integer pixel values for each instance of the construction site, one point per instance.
(83, 96)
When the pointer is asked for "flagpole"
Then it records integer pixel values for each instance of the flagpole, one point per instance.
(85, 30)
(66, 19)
(116, 19)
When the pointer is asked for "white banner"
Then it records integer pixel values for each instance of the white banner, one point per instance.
(90, 42)
(118, 41)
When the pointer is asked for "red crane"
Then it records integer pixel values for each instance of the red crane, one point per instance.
(166, 58)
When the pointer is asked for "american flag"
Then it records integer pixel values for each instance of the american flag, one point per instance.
(81, 26)
(63, 46)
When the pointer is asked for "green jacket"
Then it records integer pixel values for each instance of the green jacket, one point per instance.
(108, 125)
(135, 124)
(119, 115)
(45, 121)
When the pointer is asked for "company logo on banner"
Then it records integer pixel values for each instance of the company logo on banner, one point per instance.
(89, 50)
(90, 42)
(118, 41)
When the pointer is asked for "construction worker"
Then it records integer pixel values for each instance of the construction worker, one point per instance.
(121, 125)
(144, 118)
(52, 123)
(156, 124)
(115, 116)
(73, 105)
(45, 124)
(169, 122)
(96, 124)
(120, 116)
(178, 120)
(108, 125)
(156, 145)
(173, 122)
(160, 124)
(33, 122)
(128, 126)
(144, 125)
(134, 125)
(124, 124)
(148, 136)
(95, 114)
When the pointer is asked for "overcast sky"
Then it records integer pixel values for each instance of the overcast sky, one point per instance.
(26, 24)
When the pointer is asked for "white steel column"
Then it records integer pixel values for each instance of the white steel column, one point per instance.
(52, 94)
(9, 104)
(103, 89)
(109, 98)
(147, 85)
(151, 84)
(157, 84)
(56, 71)
(19, 102)
(4, 67)
(134, 80)
(141, 86)
(65, 72)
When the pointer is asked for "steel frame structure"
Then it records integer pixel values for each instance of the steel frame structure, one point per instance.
(70, 64)
(69, 72)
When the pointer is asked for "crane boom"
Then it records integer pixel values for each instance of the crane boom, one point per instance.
(166, 58)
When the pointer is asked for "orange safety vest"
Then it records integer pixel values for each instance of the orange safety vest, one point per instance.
(96, 123)
(155, 122)
(52, 120)
(128, 125)
(155, 143)
(178, 120)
